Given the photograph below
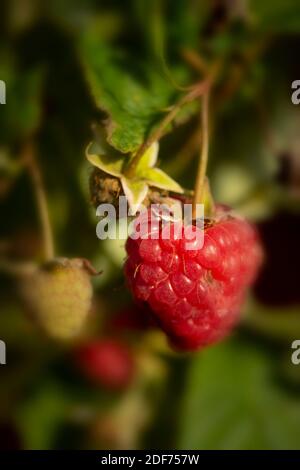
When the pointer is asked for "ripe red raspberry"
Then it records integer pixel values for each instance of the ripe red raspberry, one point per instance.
(196, 294)
(106, 362)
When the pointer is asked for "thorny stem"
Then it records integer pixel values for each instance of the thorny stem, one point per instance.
(30, 161)
(194, 93)
(203, 158)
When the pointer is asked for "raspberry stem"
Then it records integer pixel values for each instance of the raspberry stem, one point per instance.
(203, 158)
(30, 161)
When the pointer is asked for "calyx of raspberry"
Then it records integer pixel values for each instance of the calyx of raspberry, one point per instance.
(146, 175)
(194, 279)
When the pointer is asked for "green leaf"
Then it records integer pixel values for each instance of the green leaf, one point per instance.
(134, 95)
(232, 402)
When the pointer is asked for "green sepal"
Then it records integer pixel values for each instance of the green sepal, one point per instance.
(135, 191)
(159, 179)
(110, 164)
(100, 155)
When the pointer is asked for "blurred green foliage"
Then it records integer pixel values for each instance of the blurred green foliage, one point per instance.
(241, 408)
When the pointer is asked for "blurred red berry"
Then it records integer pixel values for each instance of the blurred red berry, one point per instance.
(196, 294)
(106, 362)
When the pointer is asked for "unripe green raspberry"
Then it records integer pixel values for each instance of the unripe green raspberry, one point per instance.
(58, 295)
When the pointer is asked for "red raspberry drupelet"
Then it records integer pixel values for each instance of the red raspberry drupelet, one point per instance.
(194, 289)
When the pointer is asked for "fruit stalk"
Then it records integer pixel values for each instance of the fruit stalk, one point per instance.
(203, 158)
(29, 159)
